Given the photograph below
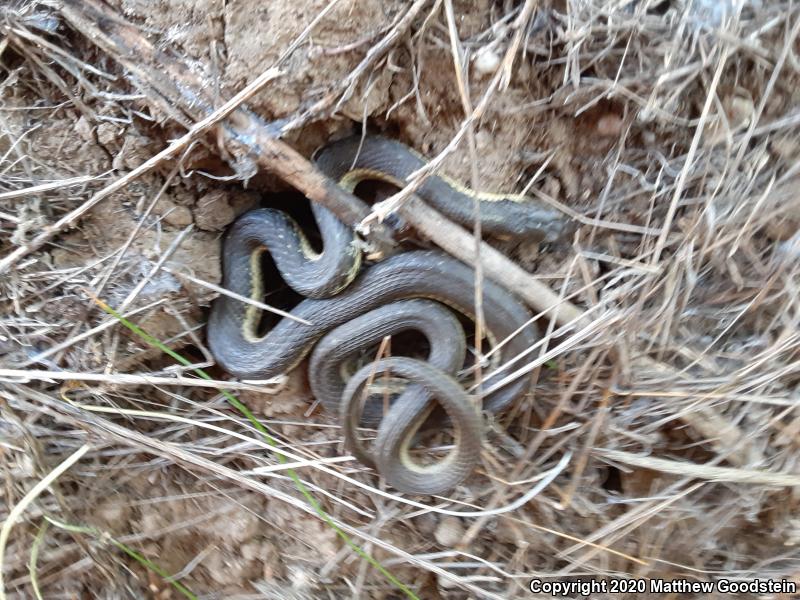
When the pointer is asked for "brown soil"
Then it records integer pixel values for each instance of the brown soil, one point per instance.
(597, 107)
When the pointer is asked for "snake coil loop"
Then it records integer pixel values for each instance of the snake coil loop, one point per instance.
(392, 457)
(345, 311)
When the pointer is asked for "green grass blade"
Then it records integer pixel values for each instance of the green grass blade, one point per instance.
(140, 558)
(263, 430)
(33, 571)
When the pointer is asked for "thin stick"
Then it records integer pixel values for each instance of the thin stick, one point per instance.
(182, 91)
(235, 296)
(25, 375)
(455, 240)
(466, 103)
(707, 472)
(52, 185)
(687, 166)
(110, 322)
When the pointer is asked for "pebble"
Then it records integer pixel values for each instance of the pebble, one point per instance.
(449, 531)
(180, 216)
(214, 212)
(108, 135)
(84, 129)
(740, 111)
(609, 125)
(486, 61)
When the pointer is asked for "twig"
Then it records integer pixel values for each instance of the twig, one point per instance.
(707, 472)
(519, 26)
(374, 54)
(687, 165)
(192, 461)
(165, 256)
(455, 240)
(384, 208)
(25, 375)
(466, 103)
(52, 185)
(234, 295)
(110, 322)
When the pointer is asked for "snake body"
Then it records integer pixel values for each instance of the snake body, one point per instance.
(392, 456)
(440, 327)
(354, 159)
(417, 274)
(447, 349)
(355, 310)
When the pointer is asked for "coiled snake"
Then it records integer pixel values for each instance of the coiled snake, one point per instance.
(350, 311)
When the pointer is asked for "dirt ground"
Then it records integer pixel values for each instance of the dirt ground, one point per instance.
(668, 132)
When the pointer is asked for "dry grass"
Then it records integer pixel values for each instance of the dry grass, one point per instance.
(679, 158)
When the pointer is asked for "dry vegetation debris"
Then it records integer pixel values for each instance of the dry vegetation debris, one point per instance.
(668, 129)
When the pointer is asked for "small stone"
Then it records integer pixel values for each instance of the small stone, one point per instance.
(108, 135)
(486, 61)
(113, 514)
(180, 216)
(214, 212)
(135, 151)
(83, 128)
(609, 125)
(152, 522)
(425, 522)
(237, 526)
(484, 140)
(449, 531)
(222, 570)
(739, 111)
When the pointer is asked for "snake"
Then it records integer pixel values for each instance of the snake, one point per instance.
(447, 350)
(348, 307)
(392, 456)
(354, 159)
